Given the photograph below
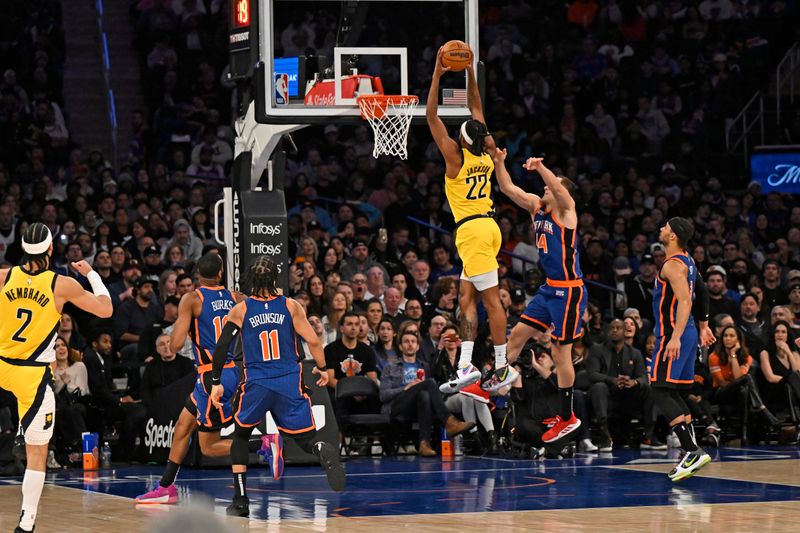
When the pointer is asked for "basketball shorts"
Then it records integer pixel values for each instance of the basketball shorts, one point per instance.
(209, 417)
(478, 243)
(677, 372)
(284, 398)
(32, 384)
(560, 308)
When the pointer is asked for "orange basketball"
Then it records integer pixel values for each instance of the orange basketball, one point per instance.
(456, 54)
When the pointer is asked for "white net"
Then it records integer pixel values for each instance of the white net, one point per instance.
(390, 118)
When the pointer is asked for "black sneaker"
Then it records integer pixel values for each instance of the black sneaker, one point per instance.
(20, 530)
(239, 507)
(329, 460)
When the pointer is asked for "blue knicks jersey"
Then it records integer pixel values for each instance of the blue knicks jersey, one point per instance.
(665, 304)
(268, 339)
(558, 255)
(206, 328)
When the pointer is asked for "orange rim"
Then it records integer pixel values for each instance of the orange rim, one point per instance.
(381, 102)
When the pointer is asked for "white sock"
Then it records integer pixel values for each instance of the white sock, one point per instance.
(466, 353)
(32, 485)
(500, 356)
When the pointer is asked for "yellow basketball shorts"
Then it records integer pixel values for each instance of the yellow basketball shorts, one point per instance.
(31, 384)
(478, 242)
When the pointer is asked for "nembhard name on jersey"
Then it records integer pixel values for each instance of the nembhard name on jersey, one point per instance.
(227, 305)
(267, 318)
(29, 294)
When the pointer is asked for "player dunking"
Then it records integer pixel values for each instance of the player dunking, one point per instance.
(201, 314)
(680, 309)
(273, 380)
(560, 303)
(468, 188)
(31, 303)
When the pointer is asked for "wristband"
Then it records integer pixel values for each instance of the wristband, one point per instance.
(216, 381)
(98, 287)
(322, 368)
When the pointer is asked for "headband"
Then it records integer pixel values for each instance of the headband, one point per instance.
(39, 247)
(464, 133)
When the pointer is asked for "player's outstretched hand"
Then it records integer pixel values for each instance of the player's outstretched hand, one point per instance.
(439, 68)
(82, 267)
(216, 395)
(673, 350)
(533, 163)
(323, 376)
(499, 155)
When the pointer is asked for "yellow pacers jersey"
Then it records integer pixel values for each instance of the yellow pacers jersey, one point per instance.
(28, 316)
(470, 192)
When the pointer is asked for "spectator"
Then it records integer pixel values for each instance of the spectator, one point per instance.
(391, 304)
(346, 356)
(386, 345)
(116, 408)
(754, 329)
(190, 245)
(620, 384)
(443, 267)
(184, 284)
(780, 365)
(729, 364)
(71, 384)
(163, 370)
(131, 319)
(409, 394)
(333, 319)
(122, 290)
(718, 300)
(376, 283)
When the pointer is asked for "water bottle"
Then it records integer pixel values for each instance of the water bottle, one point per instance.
(105, 456)
(458, 445)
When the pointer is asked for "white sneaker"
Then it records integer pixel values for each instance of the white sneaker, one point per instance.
(689, 464)
(502, 377)
(673, 441)
(465, 375)
(586, 445)
(51, 461)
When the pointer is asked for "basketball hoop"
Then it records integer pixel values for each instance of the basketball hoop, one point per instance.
(390, 118)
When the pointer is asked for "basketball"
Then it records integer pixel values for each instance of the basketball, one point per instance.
(456, 54)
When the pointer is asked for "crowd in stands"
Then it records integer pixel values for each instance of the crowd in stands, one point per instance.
(627, 98)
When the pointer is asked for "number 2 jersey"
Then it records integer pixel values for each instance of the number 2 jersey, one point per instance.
(470, 191)
(665, 304)
(206, 328)
(268, 340)
(30, 319)
(558, 255)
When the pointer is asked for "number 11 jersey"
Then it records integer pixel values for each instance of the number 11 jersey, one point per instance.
(268, 339)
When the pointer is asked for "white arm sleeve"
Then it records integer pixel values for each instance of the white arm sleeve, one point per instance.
(98, 287)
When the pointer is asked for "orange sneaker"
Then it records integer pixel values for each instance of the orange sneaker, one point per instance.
(561, 428)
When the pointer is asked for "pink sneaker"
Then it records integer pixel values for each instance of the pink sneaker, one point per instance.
(159, 495)
(272, 452)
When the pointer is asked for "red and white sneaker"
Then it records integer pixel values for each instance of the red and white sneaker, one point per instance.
(160, 494)
(561, 428)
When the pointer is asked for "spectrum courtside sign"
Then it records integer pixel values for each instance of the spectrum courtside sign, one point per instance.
(777, 171)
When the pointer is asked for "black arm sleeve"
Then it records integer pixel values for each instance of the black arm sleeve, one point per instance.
(700, 305)
(227, 336)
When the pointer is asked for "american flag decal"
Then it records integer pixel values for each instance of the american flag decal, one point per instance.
(454, 97)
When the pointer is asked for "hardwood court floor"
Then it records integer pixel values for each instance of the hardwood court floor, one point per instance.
(743, 490)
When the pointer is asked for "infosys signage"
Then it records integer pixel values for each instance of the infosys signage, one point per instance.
(777, 171)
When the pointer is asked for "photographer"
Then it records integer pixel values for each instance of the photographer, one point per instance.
(536, 400)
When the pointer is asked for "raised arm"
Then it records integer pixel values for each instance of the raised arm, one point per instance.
(97, 302)
(675, 273)
(304, 329)
(527, 201)
(187, 310)
(447, 146)
(476, 107)
(562, 196)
